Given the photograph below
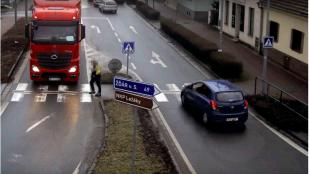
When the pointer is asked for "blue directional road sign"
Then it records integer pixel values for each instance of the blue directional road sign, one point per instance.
(128, 48)
(268, 42)
(135, 87)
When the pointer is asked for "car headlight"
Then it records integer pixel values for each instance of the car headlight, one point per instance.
(35, 69)
(73, 69)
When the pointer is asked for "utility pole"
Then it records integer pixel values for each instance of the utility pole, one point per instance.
(15, 6)
(265, 50)
(221, 26)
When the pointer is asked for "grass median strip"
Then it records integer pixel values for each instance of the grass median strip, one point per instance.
(151, 155)
(12, 44)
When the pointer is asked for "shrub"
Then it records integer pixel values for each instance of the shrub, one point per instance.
(225, 65)
(148, 12)
(279, 115)
(131, 1)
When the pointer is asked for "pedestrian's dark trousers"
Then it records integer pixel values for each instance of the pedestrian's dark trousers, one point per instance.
(97, 79)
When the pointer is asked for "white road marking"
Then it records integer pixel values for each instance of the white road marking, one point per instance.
(61, 97)
(21, 86)
(303, 151)
(110, 24)
(173, 87)
(133, 65)
(85, 88)
(183, 155)
(3, 107)
(160, 97)
(17, 97)
(85, 97)
(132, 28)
(14, 158)
(43, 88)
(76, 171)
(98, 30)
(119, 40)
(116, 34)
(129, 57)
(39, 122)
(40, 98)
(159, 60)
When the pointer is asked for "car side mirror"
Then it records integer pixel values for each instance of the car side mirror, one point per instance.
(82, 32)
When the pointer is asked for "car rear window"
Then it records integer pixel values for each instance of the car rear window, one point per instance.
(110, 3)
(227, 97)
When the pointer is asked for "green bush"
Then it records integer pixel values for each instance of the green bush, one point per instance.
(225, 65)
(148, 12)
(278, 114)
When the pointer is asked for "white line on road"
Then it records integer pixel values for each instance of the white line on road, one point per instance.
(173, 87)
(119, 40)
(77, 168)
(61, 97)
(110, 24)
(133, 65)
(132, 28)
(116, 34)
(36, 124)
(21, 86)
(160, 97)
(159, 60)
(282, 136)
(3, 107)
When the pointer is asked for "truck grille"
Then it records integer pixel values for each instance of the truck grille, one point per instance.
(62, 61)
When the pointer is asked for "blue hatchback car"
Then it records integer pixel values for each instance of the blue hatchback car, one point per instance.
(216, 101)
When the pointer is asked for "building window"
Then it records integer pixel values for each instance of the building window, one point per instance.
(251, 21)
(274, 30)
(233, 14)
(227, 4)
(297, 39)
(242, 18)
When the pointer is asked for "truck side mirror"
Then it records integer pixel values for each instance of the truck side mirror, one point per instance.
(27, 31)
(83, 32)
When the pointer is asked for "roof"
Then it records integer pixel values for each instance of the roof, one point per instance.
(298, 7)
(220, 85)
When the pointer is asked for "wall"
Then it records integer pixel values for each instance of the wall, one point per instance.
(203, 5)
(243, 36)
(171, 4)
(188, 4)
(288, 21)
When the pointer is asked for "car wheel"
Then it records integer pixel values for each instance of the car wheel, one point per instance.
(183, 100)
(205, 118)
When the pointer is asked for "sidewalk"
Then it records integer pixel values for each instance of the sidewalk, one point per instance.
(8, 22)
(252, 62)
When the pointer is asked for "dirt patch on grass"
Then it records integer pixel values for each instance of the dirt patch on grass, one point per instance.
(150, 155)
(12, 44)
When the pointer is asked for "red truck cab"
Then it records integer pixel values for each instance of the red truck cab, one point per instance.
(55, 33)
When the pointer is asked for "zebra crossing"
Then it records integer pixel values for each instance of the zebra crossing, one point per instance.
(42, 92)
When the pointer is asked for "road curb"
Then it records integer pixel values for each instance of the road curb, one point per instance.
(104, 138)
(16, 62)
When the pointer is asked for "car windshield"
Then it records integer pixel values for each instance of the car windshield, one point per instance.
(110, 3)
(227, 97)
(55, 33)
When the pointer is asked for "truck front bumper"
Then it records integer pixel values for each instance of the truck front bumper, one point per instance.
(39, 74)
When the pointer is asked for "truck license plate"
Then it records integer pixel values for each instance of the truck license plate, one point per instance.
(54, 79)
(232, 119)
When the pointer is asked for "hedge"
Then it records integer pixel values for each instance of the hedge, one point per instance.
(131, 1)
(278, 114)
(224, 65)
(147, 11)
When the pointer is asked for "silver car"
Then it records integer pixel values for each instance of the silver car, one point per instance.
(108, 5)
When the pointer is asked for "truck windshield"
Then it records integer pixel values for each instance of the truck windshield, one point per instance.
(55, 33)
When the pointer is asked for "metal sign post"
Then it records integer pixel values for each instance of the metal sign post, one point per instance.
(265, 50)
(15, 6)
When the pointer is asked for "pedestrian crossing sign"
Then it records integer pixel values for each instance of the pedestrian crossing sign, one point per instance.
(268, 42)
(128, 48)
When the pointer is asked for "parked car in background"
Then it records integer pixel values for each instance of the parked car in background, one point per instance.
(216, 101)
(97, 2)
(108, 5)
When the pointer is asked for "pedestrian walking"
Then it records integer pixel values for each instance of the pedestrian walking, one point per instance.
(95, 77)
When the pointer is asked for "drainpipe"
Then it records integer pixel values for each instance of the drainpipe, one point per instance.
(261, 29)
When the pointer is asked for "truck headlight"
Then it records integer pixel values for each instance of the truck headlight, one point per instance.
(35, 68)
(72, 69)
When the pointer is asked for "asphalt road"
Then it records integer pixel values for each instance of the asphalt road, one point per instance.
(49, 136)
(250, 148)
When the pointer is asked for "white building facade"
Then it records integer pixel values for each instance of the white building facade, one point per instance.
(242, 21)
